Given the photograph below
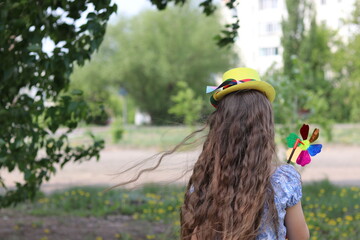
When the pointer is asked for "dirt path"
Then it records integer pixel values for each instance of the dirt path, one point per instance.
(340, 164)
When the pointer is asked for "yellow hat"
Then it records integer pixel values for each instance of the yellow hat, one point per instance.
(238, 79)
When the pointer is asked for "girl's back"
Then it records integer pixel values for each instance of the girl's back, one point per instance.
(234, 192)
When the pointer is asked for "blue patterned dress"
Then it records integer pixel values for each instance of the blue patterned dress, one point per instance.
(288, 192)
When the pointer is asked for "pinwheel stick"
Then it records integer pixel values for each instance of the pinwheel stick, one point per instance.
(294, 148)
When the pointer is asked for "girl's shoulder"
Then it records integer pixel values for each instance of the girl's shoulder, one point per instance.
(286, 171)
(286, 182)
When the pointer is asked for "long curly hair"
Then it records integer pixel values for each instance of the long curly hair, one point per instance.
(230, 184)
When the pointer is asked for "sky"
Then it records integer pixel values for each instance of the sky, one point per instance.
(132, 7)
(125, 8)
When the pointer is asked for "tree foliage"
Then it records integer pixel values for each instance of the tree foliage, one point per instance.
(227, 35)
(33, 103)
(305, 89)
(149, 53)
(315, 57)
(292, 35)
(89, 79)
(186, 105)
(346, 65)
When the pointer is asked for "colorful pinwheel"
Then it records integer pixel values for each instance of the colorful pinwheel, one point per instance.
(301, 150)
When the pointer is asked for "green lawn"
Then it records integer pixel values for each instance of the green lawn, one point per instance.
(332, 212)
(159, 137)
(165, 137)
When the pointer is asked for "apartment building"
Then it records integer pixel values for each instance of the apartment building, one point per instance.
(259, 41)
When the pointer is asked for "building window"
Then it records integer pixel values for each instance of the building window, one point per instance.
(265, 4)
(271, 51)
(269, 28)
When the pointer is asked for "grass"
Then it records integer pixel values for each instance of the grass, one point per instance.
(332, 212)
(154, 136)
(93, 201)
(347, 135)
(165, 137)
(140, 137)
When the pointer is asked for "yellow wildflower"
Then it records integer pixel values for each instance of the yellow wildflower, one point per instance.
(332, 222)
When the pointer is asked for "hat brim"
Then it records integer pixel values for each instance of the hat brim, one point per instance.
(261, 86)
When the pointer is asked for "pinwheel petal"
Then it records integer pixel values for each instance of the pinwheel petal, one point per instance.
(303, 159)
(295, 154)
(291, 139)
(304, 131)
(314, 149)
(314, 135)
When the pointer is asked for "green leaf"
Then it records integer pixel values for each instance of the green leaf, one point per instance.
(34, 48)
(77, 92)
(72, 107)
(8, 73)
(27, 174)
(91, 16)
(3, 159)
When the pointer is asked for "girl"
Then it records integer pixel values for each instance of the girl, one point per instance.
(237, 191)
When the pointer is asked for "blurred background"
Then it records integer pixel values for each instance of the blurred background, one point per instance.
(93, 91)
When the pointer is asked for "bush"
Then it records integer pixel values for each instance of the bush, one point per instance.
(117, 130)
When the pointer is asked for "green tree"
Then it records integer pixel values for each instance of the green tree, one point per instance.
(304, 90)
(155, 50)
(33, 83)
(33, 103)
(97, 90)
(346, 65)
(315, 58)
(292, 35)
(351, 78)
(186, 105)
(100, 87)
(314, 55)
(287, 80)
